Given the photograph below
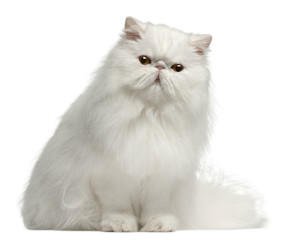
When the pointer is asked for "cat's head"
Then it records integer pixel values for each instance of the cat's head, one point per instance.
(160, 65)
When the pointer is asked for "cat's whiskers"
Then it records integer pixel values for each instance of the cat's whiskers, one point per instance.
(140, 81)
(145, 81)
(166, 80)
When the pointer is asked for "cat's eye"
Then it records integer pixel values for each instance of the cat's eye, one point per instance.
(177, 67)
(144, 60)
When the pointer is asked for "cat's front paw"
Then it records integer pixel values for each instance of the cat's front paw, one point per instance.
(119, 223)
(163, 223)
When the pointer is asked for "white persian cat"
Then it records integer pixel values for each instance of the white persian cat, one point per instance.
(126, 155)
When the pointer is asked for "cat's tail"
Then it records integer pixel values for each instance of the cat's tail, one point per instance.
(222, 203)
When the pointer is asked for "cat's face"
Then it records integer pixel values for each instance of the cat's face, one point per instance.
(161, 65)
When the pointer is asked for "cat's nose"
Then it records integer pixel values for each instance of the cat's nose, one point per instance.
(160, 67)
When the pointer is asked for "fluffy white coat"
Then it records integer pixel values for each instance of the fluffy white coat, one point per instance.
(126, 155)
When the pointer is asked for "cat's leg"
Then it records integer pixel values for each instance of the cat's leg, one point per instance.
(116, 206)
(60, 208)
(156, 214)
(59, 195)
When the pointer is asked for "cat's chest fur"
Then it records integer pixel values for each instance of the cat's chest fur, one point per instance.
(147, 142)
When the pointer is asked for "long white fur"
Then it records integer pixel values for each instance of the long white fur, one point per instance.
(126, 155)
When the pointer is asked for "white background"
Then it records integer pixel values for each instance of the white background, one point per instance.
(49, 50)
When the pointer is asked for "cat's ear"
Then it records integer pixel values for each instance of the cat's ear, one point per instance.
(134, 29)
(201, 43)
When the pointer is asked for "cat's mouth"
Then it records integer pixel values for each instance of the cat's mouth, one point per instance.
(157, 80)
